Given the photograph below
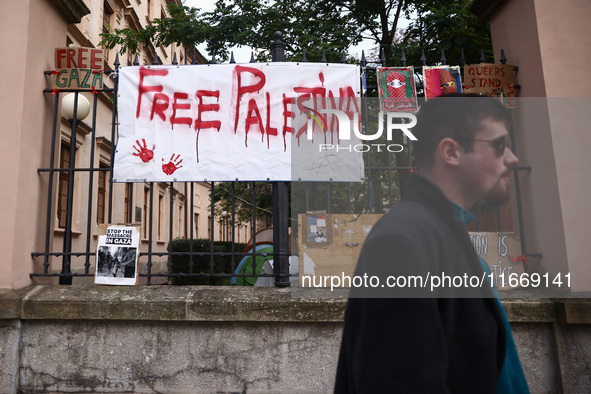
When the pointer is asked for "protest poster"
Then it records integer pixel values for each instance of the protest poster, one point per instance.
(318, 230)
(78, 68)
(490, 79)
(228, 122)
(397, 89)
(439, 80)
(502, 252)
(117, 256)
(487, 78)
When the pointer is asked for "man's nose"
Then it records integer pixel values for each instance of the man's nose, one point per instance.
(510, 158)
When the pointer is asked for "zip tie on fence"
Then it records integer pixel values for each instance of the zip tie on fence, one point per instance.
(113, 74)
(363, 80)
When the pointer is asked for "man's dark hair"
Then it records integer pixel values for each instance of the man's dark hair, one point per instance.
(457, 116)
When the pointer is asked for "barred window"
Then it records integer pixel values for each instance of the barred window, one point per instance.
(126, 218)
(102, 194)
(62, 199)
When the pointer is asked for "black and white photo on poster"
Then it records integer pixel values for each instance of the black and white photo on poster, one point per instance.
(116, 262)
(117, 256)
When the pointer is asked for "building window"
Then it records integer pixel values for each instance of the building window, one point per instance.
(62, 199)
(126, 207)
(107, 14)
(160, 216)
(196, 235)
(101, 199)
(146, 211)
(181, 221)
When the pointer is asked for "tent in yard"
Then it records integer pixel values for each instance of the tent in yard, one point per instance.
(246, 265)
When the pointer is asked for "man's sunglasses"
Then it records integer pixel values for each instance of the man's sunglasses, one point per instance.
(498, 144)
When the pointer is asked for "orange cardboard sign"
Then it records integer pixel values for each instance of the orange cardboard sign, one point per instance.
(487, 78)
(78, 68)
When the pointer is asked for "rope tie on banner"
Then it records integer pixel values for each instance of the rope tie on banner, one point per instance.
(521, 259)
(518, 259)
(53, 72)
(411, 170)
(94, 91)
(55, 91)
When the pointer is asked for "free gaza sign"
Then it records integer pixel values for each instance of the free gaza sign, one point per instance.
(78, 68)
(226, 122)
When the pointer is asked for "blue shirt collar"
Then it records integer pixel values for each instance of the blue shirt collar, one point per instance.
(463, 214)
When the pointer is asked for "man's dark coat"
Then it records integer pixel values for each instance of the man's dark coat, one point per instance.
(439, 343)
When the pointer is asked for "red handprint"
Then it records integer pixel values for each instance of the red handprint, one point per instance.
(143, 152)
(172, 165)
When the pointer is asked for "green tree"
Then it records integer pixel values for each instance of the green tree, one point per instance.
(438, 25)
(185, 25)
(313, 26)
(447, 26)
(243, 200)
(318, 26)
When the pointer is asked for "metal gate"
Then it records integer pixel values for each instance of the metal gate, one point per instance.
(77, 188)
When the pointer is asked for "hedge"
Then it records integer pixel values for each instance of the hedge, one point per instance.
(201, 263)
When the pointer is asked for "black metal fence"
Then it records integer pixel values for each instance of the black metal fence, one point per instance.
(381, 188)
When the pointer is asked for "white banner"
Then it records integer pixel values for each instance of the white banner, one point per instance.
(227, 122)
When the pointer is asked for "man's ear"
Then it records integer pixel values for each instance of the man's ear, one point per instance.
(450, 151)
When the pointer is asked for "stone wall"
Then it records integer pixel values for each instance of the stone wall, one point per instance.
(224, 339)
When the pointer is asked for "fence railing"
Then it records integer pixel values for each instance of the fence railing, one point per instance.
(72, 183)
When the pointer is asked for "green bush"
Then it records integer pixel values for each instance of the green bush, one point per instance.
(201, 263)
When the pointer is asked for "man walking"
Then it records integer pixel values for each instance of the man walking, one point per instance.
(431, 333)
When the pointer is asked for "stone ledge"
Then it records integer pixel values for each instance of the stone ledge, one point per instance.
(10, 304)
(182, 303)
(222, 303)
(577, 312)
(531, 311)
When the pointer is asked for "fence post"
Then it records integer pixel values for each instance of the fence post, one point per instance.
(278, 49)
(66, 273)
(280, 202)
